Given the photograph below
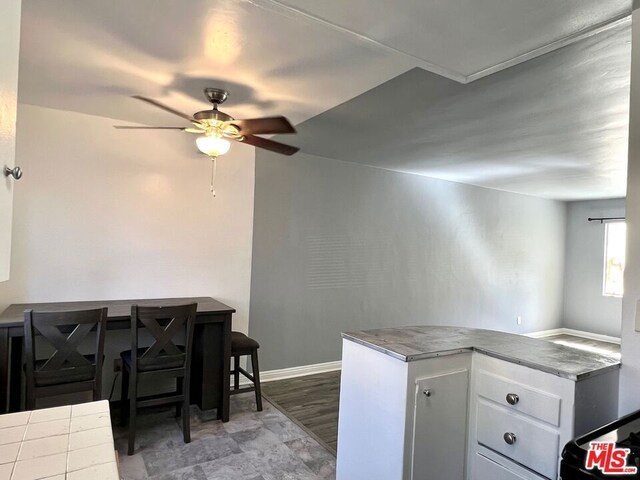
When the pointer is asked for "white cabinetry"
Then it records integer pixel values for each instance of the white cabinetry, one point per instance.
(388, 428)
(460, 415)
(521, 418)
(517, 437)
(485, 468)
(440, 426)
(10, 42)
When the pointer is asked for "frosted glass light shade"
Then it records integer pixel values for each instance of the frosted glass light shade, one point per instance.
(212, 146)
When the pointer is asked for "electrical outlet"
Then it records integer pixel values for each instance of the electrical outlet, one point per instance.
(117, 364)
(519, 320)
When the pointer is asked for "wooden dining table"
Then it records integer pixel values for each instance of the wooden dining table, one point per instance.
(210, 369)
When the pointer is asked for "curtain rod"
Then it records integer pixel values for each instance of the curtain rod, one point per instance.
(605, 219)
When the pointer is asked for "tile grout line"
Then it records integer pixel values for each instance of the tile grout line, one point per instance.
(26, 427)
(66, 466)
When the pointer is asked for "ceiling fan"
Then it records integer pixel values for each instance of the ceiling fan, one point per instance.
(216, 128)
(215, 124)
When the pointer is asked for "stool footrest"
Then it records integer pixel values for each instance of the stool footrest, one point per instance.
(242, 390)
(246, 374)
(160, 399)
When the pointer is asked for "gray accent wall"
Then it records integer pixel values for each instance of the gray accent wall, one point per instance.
(339, 246)
(585, 308)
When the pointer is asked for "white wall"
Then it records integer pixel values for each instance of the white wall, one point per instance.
(630, 373)
(341, 246)
(106, 214)
(585, 308)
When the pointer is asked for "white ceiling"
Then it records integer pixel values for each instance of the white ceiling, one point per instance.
(298, 58)
(90, 55)
(555, 127)
(461, 38)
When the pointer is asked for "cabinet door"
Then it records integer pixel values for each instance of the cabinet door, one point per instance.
(440, 427)
(10, 42)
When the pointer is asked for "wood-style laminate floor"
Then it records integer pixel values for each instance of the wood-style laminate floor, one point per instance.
(310, 401)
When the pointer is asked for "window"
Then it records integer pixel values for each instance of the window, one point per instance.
(615, 237)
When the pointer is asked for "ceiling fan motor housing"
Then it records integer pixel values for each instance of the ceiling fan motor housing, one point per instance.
(214, 114)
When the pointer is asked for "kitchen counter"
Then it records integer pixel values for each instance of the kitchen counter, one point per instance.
(72, 442)
(420, 342)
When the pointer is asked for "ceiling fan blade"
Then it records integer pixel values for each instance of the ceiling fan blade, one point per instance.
(267, 144)
(164, 107)
(263, 126)
(184, 129)
(127, 127)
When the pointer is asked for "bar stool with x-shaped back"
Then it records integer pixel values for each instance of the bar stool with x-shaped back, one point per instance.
(163, 359)
(66, 370)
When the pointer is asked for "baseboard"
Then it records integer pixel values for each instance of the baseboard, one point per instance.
(576, 333)
(592, 336)
(292, 372)
(545, 333)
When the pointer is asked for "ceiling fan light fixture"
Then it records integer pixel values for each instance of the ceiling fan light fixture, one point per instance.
(212, 145)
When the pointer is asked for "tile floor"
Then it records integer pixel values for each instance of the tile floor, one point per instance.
(251, 446)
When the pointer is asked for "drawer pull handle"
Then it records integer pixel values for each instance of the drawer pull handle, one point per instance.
(510, 438)
(512, 398)
(427, 392)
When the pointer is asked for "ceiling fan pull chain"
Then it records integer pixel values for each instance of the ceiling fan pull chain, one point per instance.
(213, 175)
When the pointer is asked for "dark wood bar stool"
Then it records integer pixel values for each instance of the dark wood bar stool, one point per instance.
(163, 359)
(242, 345)
(66, 370)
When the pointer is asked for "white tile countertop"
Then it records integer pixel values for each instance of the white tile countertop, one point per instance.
(73, 442)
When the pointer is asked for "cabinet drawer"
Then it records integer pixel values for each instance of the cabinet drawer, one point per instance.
(486, 469)
(538, 404)
(535, 446)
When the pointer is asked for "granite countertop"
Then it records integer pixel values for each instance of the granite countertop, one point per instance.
(416, 343)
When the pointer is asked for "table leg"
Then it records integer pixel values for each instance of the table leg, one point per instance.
(211, 367)
(15, 374)
(4, 369)
(223, 410)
